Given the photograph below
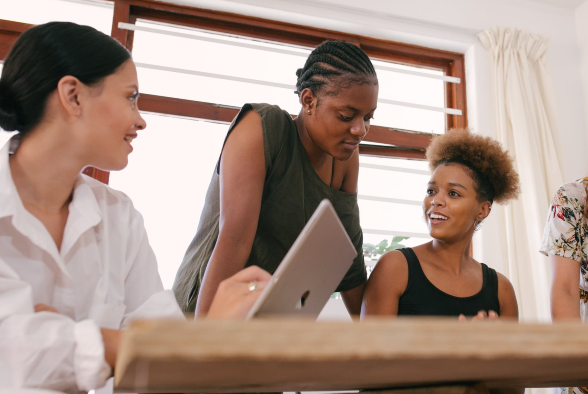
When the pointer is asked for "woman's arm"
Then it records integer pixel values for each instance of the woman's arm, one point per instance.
(385, 286)
(565, 296)
(353, 299)
(242, 176)
(507, 298)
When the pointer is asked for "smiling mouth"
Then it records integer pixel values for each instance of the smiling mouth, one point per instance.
(128, 138)
(436, 216)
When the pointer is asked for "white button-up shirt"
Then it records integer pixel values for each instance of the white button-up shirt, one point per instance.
(105, 275)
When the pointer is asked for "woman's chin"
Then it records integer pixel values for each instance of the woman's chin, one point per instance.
(114, 165)
(343, 155)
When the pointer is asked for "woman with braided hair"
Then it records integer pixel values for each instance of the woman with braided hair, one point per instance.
(274, 171)
(441, 278)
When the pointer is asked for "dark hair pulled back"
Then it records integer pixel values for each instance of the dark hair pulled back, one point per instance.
(337, 62)
(41, 57)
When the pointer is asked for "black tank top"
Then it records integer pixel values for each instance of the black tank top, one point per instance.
(422, 298)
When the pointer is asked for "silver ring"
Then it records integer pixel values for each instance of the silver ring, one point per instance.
(252, 286)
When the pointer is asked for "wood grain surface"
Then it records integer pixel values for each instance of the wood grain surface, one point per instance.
(294, 355)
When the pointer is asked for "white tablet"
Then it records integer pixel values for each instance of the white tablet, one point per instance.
(311, 270)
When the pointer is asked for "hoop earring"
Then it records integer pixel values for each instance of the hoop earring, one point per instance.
(308, 112)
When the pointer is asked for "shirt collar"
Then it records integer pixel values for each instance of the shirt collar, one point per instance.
(84, 212)
(8, 195)
(84, 209)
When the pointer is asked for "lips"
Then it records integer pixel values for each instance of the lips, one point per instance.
(129, 139)
(351, 145)
(436, 218)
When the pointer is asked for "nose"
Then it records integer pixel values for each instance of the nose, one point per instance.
(359, 129)
(140, 124)
(438, 201)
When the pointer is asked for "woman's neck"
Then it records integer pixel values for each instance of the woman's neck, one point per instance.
(451, 254)
(44, 169)
(318, 157)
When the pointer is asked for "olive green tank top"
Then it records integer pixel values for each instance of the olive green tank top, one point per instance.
(291, 193)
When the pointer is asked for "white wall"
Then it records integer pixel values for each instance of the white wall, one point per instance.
(581, 16)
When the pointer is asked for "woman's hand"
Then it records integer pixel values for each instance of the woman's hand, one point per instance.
(237, 294)
(44, 308)
(482, 315)
(111, 339)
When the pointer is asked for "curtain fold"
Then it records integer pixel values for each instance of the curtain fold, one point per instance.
(526, 121)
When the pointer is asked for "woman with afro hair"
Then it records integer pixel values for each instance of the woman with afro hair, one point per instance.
(441, 278)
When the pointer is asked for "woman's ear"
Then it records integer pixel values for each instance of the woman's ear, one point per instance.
(484, 211)
(308, 100)
(68, 92)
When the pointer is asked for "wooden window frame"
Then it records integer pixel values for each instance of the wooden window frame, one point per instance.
(398, 143)
(401, 143)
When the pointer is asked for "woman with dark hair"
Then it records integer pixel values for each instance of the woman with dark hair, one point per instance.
(441, 278)
(274, 171)
(565, 242)
(75, 262)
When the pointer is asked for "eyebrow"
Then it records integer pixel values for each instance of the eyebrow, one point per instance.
(355, 109)
(450, 184)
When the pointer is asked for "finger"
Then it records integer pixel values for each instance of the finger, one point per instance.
(260, 287)
(246, 292)
(44, 308)
(480, 316)
(461, 317)
(492, 315)
(253, 273)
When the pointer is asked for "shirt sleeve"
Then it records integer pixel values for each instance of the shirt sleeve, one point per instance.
(145, 297)
(562, 235)
(45, 350)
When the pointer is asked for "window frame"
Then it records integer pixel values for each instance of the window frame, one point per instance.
(398, 143)
(402, 143)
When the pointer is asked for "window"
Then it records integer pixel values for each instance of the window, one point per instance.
(167, 178)
(197, 67)
(95, 13)
(256, 61)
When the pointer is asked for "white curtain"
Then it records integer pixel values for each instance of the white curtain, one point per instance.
(526, 121)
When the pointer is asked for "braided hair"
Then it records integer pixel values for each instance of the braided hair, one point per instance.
(337, 62)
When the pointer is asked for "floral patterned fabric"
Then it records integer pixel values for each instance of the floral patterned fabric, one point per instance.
(565, 235)
(566, 232)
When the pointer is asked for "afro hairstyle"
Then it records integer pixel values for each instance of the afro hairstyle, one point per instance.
(490, 166)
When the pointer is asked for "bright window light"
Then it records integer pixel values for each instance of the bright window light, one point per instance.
(234, 57)
(95, 13)
(167, 178)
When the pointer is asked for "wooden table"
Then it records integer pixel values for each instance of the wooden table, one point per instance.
(294, 355)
